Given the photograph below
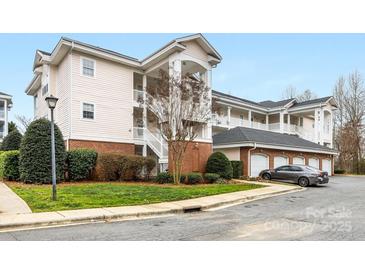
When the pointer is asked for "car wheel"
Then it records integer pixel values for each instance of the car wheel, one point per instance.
(303, 182)
(266, 176)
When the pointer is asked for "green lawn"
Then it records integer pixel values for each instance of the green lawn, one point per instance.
(92, 195)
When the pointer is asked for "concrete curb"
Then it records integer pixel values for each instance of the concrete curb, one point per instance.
(32, 220)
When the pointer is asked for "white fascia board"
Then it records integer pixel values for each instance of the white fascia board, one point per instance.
(173, 47)
(277, 147)
(33, 82)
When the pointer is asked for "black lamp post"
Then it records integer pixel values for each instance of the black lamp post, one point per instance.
(52, 101)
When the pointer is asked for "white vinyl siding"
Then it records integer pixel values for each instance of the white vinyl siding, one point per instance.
(88, 111)
(88, 67)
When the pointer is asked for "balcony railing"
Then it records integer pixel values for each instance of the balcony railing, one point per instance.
(138, 96)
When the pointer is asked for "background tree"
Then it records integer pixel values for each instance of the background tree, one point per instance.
(349, 128)
(292, 92)
(35, 153)
(182, 105)
(11, 126)
(24, 122)
(12, 141)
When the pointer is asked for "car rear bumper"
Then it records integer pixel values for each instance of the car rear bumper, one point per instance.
(319, 180)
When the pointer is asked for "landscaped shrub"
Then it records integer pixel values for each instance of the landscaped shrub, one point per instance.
(219, 163)
(150, 164)
(12, 141)
(80, 162)
(340, 171)
(237, 167)
(9, 165)
(35, 153)
(164, 178)
(211, 177)
(194, 178)
(182, 178)
(116, 167)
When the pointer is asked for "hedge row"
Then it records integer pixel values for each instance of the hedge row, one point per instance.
(9, 165)
(80, 164)
(190, 178)
(118, 167)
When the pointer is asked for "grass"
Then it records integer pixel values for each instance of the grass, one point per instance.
(93, 195)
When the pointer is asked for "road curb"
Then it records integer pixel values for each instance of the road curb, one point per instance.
(67, 217)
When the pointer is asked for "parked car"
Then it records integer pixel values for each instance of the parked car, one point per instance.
(301, 174)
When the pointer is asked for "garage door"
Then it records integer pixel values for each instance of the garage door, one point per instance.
(298, 161)
(280, 161)
(258, 163)
(327, 166)
(313, 162)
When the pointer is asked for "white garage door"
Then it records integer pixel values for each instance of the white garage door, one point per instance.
(280, 161)
(327, 166)
(298, 161)
(258, 163)
(313, 162)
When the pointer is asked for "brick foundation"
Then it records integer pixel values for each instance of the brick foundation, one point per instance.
(196, 157)
(290, 154)
(103, 147)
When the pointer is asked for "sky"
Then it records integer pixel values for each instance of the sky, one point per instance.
(256, 67)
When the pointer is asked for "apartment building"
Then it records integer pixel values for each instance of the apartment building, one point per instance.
(100, 107)
(5, 106)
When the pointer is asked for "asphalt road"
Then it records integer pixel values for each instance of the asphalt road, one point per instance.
(331, 212)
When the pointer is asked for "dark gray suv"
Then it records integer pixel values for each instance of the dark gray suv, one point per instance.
(301, 174)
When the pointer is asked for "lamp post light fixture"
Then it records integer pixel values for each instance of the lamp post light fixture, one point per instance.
(52, 101)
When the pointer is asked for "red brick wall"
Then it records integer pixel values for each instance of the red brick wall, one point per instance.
(103, 146)
(273, 152)
(196, 157)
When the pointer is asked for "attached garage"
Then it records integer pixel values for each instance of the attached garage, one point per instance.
(327, 166)
(280, 161)
(258, 163)
(314, 162)
(298, 161)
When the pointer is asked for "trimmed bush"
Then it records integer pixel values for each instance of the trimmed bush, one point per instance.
(80, 163)
(12, 141)
(182, 178)
(340, 171)
(211, 177)
(150, 164)
(35, 153)
(237, 167)
(164, 178)
(116, 167)
(194, 178)
(9, 165)
(219, 163)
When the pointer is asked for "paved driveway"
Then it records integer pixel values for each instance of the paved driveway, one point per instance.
(331, 212)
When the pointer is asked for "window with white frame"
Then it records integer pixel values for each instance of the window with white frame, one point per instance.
(45, 90)
(88, 111)
(88, 67)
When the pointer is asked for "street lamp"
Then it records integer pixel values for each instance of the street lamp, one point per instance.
(52, 101)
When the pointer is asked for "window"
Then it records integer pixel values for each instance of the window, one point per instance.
(88, 111)
(88, 67)
(45, 90)
(296, 168)
(35, 101)
(284, 168)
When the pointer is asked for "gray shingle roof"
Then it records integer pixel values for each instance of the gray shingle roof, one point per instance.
(221, 94)
(5, 94)
(242, 134)
(313, 101)
(272, 104)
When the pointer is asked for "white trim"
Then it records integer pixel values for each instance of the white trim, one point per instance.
(97, 138)
(82, 111)
(82, 58)
(251, 144)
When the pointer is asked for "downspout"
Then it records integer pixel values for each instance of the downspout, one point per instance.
(249, 159)
(71, 83)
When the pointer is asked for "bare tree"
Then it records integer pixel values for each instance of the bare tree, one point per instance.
(182, 105)
(23, 122)
(349, 135)
(292, 92)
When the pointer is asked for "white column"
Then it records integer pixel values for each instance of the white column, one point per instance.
(208, 81)
(174, 71)
(249, 119)
(331, 128)
(5, 118)
(144, 114)
(321, 126)
(316, 125)
(229, 116)
(288, 122)
(267, 121)
(281, 122)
